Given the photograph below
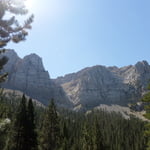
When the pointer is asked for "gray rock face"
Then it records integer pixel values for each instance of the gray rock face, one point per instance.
(29, 76)
(97, 85)
(87, 88)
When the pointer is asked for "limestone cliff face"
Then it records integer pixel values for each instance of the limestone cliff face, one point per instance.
(28, 75)
(97, 85)
(87, 88)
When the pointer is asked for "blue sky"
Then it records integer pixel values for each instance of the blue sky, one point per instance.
(72, 34)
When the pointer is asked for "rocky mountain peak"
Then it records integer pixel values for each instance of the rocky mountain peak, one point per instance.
(29, 76)
(106, 85)
(142, 63)
(86, 88)
(12, 63)
(142, 67)
(32, 62)
(11, 53)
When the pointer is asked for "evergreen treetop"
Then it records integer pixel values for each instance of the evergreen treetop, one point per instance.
(10, 29)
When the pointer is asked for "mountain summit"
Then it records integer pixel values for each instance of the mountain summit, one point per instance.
(97, 85)
(29, 76)
(87, 88)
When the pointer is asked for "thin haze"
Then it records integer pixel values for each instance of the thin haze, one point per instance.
(72, 34)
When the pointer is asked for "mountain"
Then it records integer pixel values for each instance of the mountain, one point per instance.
(97, 85)
(87, 88)
(29, 76)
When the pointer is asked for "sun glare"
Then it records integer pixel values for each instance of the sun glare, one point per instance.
(29, 4)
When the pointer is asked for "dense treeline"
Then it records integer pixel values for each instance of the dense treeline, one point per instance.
(146, 100)
(17, 113)
(35, 128)
(101, 130)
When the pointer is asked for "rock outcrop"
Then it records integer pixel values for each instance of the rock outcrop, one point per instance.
(29, 76)
(97, 85)
(87, 88)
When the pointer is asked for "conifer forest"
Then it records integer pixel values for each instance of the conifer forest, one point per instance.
(34, 127)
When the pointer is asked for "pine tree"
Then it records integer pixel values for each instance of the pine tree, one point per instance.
(22, 134)
(50, 132)
(146, 99)
(32, 135)
(18, 134)
(64, 137)
(10, 29)
(87, 143)
(98, 137)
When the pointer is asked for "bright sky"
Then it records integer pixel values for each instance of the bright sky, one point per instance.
(72, 34)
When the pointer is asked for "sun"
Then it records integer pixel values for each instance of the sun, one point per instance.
(29, 4)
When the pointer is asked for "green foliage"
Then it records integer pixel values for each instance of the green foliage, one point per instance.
(50, 132)
(67, 130)
(147, 116)
(18, 133)
(146, 97)
(102, 131)
(4, 127)
(87, 142)
(146, 100)
(31, 133)
(10, 29)
(147, 136)
(22, 134)
(148, 87)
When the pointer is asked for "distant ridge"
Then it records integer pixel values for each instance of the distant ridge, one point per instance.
(85, 89)
(97, 85)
